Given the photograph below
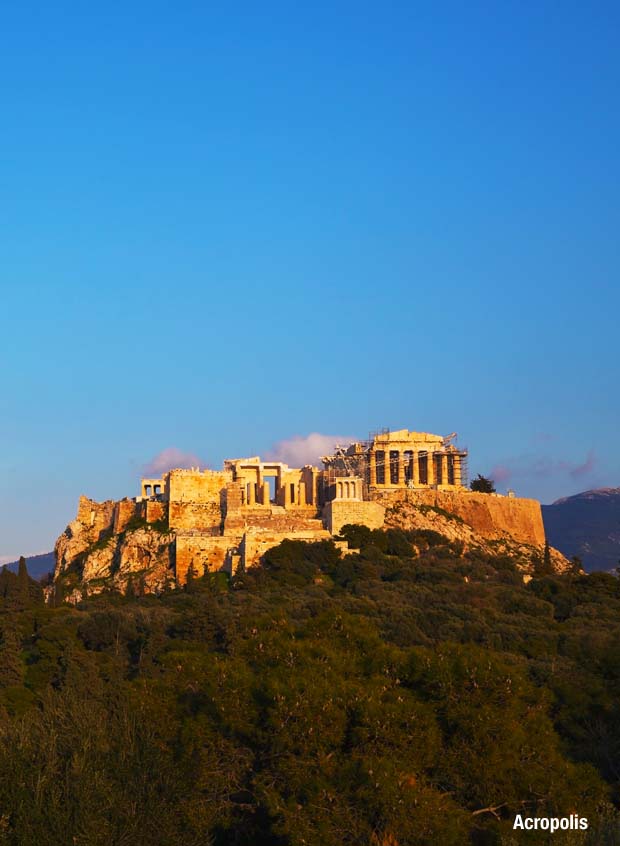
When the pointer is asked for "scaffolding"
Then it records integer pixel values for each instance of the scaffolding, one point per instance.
(464, 453)
(347, 461)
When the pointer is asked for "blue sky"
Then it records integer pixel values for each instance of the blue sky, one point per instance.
(226, 225)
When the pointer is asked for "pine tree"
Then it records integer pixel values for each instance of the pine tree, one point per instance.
(190, 584)
(5, 582)
(23, 582)
(482, 485)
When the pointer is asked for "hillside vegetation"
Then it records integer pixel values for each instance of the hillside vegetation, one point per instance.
(411, 693)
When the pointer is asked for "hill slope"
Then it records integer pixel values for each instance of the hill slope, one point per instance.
(587, 525)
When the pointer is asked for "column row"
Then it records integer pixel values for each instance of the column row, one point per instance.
(399, 467)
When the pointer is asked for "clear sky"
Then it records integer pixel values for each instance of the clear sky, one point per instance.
(224, 225)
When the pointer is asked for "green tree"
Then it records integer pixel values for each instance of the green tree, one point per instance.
(23, 580)
(543, 566)
(576, 565)
(482, 485)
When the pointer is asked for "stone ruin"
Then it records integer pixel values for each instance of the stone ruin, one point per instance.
(227, 519)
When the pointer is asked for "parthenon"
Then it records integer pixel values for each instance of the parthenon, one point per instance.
(402, 459)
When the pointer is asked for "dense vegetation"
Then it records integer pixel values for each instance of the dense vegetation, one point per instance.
(408, 694)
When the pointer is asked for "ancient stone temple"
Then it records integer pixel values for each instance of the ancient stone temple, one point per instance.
(208, 520)
(392, 460)
(233, 515)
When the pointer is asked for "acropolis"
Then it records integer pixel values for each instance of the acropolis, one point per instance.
(233, 515)
(227, 519)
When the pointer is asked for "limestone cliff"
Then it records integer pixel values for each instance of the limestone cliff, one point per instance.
(129, 543)
(486, 527)
(109, 545)
(488, 515)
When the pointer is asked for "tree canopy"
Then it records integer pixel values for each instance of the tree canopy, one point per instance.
(406, 694)
(482, 485)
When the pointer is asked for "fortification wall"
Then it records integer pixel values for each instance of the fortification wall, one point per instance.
(197, 486)
(256, 543)
(200, 516)
(273, 519)
(156, 510)
(339, 512)
(124, 511)
(203, 554)
(491, 516)
(94, 521)
(96, 517)
(197, 500)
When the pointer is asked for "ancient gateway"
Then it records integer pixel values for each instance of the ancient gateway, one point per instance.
(207, 520)
(229, 518)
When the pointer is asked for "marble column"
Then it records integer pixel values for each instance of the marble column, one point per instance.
(430, 468)
(458, 479)
(372, 459)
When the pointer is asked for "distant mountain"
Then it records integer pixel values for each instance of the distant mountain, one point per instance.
(38, 565)
(587, 525)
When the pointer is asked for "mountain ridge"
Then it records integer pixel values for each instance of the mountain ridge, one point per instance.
(37, 565)
(586, 525)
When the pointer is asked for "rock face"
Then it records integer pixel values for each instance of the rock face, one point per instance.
(93, 520)
(92, 554)
(491, 516)
(587, 525)
(411, 514)
(128, 545)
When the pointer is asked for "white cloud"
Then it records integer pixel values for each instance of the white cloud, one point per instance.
(171, 458)
(308, 449)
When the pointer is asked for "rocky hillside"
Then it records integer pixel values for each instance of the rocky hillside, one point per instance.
(108, 545)
(587, 525)
(90, 559)
(527, 556)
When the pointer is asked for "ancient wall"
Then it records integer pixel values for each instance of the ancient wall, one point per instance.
(197, 500)
(156, 510)
(200, 516)
(256, 543)
(224, 519)
(489, 515)
(339, 512)
(196, 485)
(202, 554)
(96, 517)
(124, 511)
(273, 519)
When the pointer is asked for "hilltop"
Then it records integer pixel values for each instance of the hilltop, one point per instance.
(189, 522)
